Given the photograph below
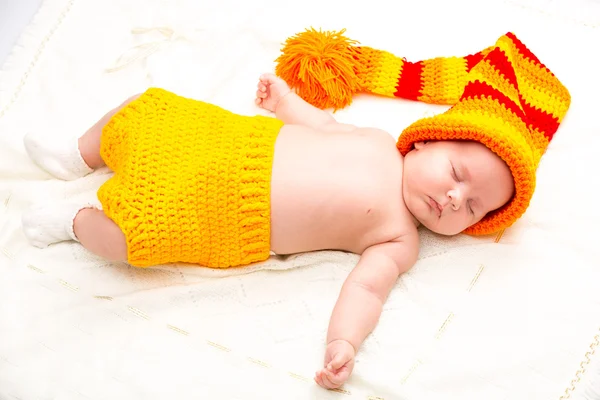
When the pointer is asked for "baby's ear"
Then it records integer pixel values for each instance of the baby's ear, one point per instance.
(419, 145)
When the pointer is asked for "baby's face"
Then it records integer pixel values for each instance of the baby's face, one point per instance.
(450, 185)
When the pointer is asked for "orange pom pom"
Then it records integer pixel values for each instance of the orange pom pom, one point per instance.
(321, 67)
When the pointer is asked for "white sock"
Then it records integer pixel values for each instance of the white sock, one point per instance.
(58, 156)
(44, 225)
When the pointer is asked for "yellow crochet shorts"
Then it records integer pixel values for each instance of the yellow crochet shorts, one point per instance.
(191, 181)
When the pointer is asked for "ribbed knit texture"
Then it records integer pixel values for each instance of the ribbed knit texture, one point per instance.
(191, 183)
(502, 96)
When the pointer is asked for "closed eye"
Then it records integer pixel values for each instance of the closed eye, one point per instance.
(454, 175)
(470, 207)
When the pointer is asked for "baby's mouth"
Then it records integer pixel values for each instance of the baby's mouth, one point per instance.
(437, 207)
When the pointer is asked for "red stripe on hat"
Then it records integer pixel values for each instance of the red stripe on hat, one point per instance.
(502, 64)
(525, 52)
(480, 89)
(473, 60)
(410, 82)
(543, 121)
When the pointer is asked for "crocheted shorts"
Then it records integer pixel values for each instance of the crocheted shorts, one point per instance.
(191, 181)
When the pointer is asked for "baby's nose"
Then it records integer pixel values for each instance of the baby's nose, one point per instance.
(454, 199)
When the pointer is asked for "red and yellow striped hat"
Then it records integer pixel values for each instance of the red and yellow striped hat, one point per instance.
(502, 97)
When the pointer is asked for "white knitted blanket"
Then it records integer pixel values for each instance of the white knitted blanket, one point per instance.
(478, 318)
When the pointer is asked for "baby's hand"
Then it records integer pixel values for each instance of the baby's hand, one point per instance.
(271, 89)
(339, 362)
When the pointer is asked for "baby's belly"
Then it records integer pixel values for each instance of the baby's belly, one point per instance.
(321, 199)
(301, 222)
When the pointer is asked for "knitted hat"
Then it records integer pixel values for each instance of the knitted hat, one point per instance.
(502, 97)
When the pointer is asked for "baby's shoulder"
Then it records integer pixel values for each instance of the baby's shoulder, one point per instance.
(403, 247)
(398, 225)
(406, 231)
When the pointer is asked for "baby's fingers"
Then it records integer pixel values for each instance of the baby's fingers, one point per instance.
(326, 383)
(260, 94)
(319, 379)
(335, 379)
(338, 362)
(262, 87)
(268, 78)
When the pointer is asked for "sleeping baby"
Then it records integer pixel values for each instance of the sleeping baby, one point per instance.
(195, 183)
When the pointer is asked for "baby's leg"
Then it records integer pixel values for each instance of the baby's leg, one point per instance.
(100, 235)
(50, 224)
(89, 143)
(69, 158)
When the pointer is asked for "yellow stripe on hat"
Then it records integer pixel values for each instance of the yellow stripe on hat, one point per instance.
(444, 80)
(540, 97)
(492, 107)
(494, 125)
(385, 75)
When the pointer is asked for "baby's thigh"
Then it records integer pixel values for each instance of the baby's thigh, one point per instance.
(100, 235)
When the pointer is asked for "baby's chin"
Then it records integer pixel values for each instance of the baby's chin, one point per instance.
(435, 228)
(446, 232)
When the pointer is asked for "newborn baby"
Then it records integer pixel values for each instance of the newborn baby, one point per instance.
(194, 183)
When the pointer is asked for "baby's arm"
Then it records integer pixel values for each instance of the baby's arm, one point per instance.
(360, 303)
(275, 95)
